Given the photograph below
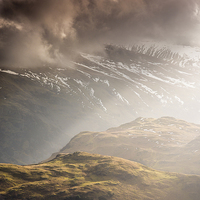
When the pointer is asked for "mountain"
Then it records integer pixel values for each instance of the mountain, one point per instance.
(42, 108)
(36, 120)
(165, 143)
(90, 176)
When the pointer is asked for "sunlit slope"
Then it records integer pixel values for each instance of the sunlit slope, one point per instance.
(165, 143)
(90, 176)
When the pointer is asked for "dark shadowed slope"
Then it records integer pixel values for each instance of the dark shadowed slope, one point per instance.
(89, 176)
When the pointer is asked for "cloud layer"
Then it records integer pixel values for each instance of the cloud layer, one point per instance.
(32, 31)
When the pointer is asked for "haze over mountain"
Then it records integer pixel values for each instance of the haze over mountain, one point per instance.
(42, 108)
(90, 65)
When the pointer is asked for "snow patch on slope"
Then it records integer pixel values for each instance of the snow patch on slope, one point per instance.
(9, 72)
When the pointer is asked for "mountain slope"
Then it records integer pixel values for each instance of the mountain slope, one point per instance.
(89, 176)
(165, 143)
(42, 108)
(36, 121)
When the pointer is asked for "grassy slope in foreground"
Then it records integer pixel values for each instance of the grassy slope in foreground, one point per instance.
(91, 176)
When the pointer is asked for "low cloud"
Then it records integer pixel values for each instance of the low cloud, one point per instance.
(34, 31)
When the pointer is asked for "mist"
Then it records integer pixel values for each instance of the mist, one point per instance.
(43, 31)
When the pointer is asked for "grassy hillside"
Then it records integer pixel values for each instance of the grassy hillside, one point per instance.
(165, 144)
(90, 176)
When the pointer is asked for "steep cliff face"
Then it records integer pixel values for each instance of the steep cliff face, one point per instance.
(42, 108)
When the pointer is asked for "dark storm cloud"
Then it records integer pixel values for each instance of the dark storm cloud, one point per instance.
(32, 30)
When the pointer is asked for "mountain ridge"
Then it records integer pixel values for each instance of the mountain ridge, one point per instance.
(165, 143)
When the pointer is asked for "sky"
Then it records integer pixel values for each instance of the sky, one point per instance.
(35, 31)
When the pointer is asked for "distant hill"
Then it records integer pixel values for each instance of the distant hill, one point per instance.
(87, 176)
(165, 143)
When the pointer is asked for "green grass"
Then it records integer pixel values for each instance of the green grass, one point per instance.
(91, 176)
